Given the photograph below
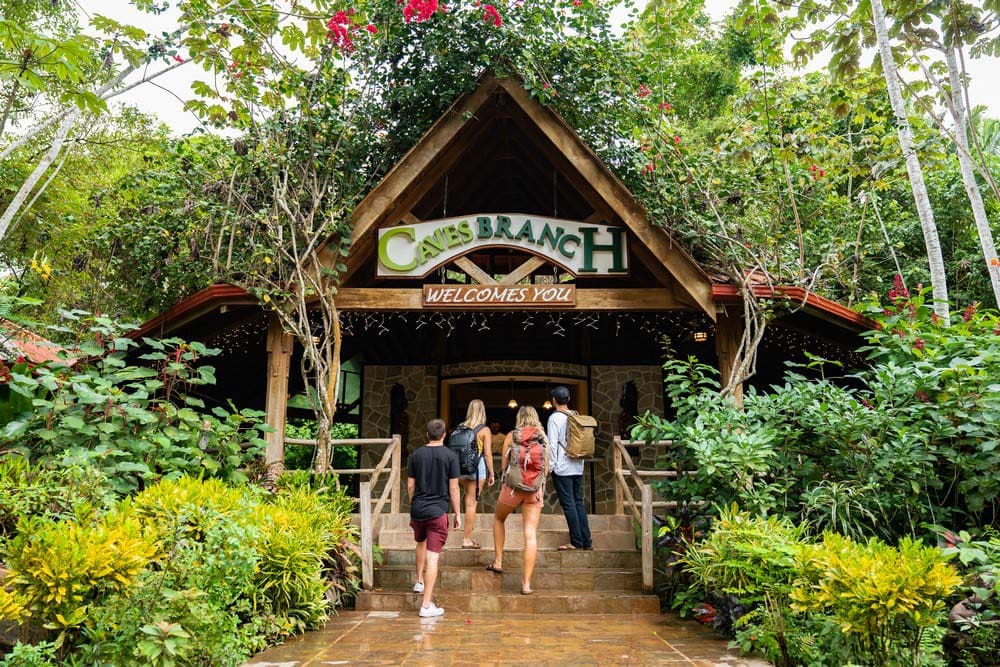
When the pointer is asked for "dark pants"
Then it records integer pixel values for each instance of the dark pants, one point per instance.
(570, 490)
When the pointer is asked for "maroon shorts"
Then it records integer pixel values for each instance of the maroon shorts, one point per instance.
(435, 531)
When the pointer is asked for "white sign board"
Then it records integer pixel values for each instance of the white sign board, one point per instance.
(582, 249)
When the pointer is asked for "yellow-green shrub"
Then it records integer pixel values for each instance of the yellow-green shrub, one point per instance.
(886, 597)
(189, 504)
(56, 570)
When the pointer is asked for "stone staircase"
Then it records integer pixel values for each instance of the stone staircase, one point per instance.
(605, 580)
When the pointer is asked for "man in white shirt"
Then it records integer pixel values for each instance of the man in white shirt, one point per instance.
(567, 473)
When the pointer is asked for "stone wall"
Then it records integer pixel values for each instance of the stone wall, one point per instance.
(605, 391)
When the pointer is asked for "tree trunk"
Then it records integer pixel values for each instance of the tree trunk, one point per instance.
(29, 184)
(935, 260)
(961, 117)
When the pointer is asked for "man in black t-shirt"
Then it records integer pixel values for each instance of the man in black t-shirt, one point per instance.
(431, 481)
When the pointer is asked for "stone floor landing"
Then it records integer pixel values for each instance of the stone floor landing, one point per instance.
(393, 638)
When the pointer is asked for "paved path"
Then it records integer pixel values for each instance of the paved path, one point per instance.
(395, 638)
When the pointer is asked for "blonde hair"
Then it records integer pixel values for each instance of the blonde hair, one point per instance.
(475, 414)
(528, 416)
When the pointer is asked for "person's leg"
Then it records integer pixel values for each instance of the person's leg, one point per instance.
(430, 576)
(564, 489)
(421, 560)
(581, 512)
(499, 516)
(531, 514)
(470, 510)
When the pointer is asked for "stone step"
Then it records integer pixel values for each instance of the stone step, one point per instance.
(478, 579)
(548, 538)
(484, 521)
(548, 559)
(541, 602)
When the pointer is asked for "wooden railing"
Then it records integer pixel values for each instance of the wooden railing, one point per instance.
(642, 508)
(391, 492)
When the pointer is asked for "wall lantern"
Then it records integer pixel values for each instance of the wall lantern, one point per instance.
(700, 336)
(512, 403)
(547, 405)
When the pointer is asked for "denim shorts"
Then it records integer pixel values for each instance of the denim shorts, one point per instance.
(482, 469)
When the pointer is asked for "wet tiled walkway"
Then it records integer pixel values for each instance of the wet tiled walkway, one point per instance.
(394, 638)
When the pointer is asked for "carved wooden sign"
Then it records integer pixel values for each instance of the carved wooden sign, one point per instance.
(499, 296)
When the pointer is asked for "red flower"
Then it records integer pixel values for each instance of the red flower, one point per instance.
(970, 311)
(649, 168)
(677, 139)
(898, 290)
(371, 28)
(704, 613)
(813, 168)
(339, 29)
(491, 15)
(822, 173)
(923, 397)
(935, 318)
(665, 106)
(919, 344)
(577, 3)
(178, 58)
(421, 10)
(644, 91)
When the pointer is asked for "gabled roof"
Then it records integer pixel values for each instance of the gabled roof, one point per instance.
(390, 201)
(17, 341)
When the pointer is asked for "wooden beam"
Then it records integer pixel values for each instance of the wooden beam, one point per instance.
(610, 299)
(728, 334)
(616, 195)
(523, 271)
(474, 271)
(279, 358)
(409, 218)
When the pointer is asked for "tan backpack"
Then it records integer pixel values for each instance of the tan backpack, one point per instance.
(580, 430)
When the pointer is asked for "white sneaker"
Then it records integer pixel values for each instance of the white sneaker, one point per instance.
(418, 587)
(433, 610)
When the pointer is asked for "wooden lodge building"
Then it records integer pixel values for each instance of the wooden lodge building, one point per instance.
(497, 259)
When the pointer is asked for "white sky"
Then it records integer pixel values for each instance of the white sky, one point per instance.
(164, 98)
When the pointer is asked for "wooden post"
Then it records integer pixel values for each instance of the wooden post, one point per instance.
(367, 552)
(617, 453)
(728, 334)
(279, 357)
(396, 477)
(647, 538)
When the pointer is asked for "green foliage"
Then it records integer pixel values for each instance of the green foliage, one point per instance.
(885, 597)
(239, 570)
(751, 556)
(50, 493)
(165, 644)
(42, 654)
(134, 423)
(58, 570)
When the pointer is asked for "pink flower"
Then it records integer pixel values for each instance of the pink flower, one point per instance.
(577, 3)
(822, 173)
(677, 139)
(371, 28)
(491, 15)
(813, 168)
(339, 29)
(644, 91)
(419, 11)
